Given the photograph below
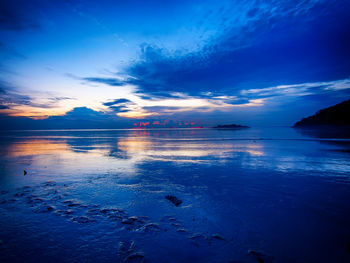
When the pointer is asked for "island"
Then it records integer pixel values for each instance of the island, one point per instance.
(336, 116)
(231, 126)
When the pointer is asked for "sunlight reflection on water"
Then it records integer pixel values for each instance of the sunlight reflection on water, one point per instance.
(124, 150)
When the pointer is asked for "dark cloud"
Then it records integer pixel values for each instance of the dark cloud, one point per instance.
(290, 45)
(118, 105)
(82, 113)
(116, 102)
(301, 57)
(4, 107)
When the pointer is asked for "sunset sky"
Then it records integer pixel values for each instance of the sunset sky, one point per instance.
(206, 62)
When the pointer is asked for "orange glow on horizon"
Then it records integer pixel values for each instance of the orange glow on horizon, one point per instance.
(33, 113)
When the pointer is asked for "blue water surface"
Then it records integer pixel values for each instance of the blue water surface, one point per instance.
(250, 195)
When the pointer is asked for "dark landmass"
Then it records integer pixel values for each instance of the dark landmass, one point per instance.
(337, 115)
(231, 126)
(332, 122)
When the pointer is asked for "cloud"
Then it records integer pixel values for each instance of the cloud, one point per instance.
(108, 81)
(116, 102)
(15, 102)
(61, 98)
(302, 89)
(169, 110)
(12, 98)
(258, 44)
(119, 105)
(82, 113)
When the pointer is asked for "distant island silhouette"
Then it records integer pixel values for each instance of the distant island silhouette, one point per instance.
(231, 126)
(337, 115)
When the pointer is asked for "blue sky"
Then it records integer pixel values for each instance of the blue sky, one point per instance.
(207, 62)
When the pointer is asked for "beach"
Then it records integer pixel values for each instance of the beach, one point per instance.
(247, 195)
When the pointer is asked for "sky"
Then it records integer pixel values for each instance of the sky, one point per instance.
(180, 63)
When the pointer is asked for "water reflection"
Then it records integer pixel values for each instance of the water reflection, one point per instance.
(123, 151)
(37, 147)
(127, 152)
(325, 132)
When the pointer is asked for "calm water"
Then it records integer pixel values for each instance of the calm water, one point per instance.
(99, 196)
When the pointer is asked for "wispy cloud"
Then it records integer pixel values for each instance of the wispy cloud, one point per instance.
(301, 89)
(18, 103)
(108, 81)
